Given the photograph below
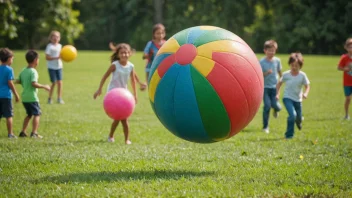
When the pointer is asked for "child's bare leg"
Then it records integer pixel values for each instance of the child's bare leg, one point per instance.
(113, 128)
(52, 89)
(59, 89)
(126, 131)
(347, 104)
(35, 123)
(146, 76)
(9, 125)
(25, 123)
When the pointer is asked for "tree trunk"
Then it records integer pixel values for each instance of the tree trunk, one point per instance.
(158, 11)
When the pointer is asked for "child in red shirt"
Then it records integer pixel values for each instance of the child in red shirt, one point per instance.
(345, 65)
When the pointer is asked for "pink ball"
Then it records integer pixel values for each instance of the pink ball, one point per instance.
(119, 103)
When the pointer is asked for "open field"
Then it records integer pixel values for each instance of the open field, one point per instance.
(74, 158)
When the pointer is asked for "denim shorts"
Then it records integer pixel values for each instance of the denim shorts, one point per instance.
(347, 90)
(32, 108)
(55, 75)
(6, 108)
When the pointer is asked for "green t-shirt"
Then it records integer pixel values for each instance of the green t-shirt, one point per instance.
(29, 93)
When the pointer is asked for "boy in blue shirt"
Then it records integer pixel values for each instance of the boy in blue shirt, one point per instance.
(6, 86)
(271, 67)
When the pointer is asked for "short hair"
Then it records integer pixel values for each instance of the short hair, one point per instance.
(31, 55)
(297, 56)
(270, 44)
(52, 33)
(5, 54)
(348, 42)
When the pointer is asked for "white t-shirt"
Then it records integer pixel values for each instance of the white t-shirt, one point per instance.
(120, 76)
(294, 84)
(54, 51)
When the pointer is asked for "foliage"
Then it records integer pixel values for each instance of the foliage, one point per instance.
(40, 17)
(9, 19)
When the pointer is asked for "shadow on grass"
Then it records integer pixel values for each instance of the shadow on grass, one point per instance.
(122, 176)
(271, 139)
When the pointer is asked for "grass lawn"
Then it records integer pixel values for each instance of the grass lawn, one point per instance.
(74, 158)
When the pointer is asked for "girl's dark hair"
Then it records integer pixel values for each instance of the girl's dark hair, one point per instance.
(5, 54)
(117, 48)
(296, 57)
(157, 27)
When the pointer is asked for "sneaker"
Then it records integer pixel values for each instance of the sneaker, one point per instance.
(347, 118)
(266, 130)
(23, 134)
(11, 136)
(275, 114)
(36, 135)
(49, 101)
(111, 139)
(60, 101)
(128, 142)
(299, 125)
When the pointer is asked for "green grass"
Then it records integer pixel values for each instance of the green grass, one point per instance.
(74, 158)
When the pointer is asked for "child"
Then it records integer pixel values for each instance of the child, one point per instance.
(54, 64)
(294, 79)
(28, 78)
(152, 47)
(271, 67)
(121, 70)
(142, 86)
(345, 65)
(6, 86)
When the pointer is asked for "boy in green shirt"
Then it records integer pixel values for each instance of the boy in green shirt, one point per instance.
(28, 78)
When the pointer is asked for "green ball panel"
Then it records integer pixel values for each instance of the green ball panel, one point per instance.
(210, 104)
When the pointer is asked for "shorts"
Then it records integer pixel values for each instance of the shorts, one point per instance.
(55, 75)
(347, 90)
(6, 108)
(32, 108)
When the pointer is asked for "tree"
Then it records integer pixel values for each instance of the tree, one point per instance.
(9, 19)
(41, 17)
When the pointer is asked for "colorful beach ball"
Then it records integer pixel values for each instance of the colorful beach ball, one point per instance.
(205, 84)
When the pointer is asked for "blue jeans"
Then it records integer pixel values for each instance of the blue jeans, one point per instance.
(269, 102)
(294, 110)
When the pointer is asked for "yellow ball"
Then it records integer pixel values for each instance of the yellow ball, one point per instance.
(68, 53)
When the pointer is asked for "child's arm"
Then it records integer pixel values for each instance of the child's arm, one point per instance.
(305, 94)
(142, 86)
(268, 72)
(40, 86)
(13, 89)
(17, 81)
(48, 57)
(105, 76)
(278, 86)
(344, 68)
(133, 82)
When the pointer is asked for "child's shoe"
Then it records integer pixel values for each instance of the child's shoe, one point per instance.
(23, 134)
(60, 101)
(266, 130)
(11, 136)
(111, 139)
(275, 114)
(299, 125)
(347, 118)
(49, 101)
(36, 135)
(128, 142)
